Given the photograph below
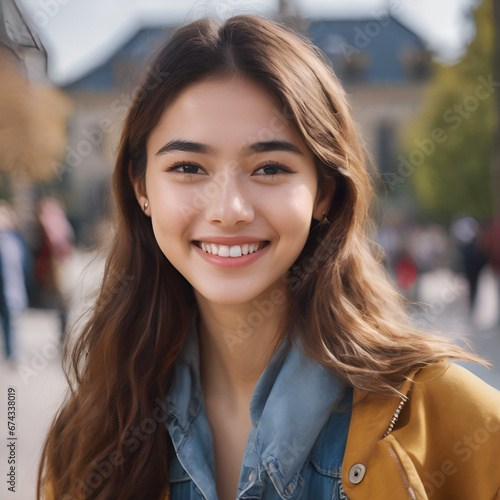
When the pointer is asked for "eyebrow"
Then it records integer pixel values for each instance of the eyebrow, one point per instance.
(257, 147)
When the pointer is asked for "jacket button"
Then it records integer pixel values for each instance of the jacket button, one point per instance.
(357, 473)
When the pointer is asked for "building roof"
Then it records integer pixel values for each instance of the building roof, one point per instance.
(366, 51)
(372, 51)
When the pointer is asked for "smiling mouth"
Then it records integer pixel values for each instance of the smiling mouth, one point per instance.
(231, 250)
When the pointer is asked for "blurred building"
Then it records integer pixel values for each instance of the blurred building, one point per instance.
(22, 42)
(33, 115)
(383, 65)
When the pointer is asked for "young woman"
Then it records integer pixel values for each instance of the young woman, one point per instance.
(246, 342)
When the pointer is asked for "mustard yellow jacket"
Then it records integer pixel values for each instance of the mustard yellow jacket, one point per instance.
(439, 441)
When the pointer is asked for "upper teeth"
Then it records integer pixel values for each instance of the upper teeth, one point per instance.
(230, 251)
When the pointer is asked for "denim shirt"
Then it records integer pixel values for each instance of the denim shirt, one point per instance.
(295, 446)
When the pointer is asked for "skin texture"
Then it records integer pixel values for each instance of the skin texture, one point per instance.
(231, 194)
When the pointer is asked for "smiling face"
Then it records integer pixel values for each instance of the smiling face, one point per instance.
(225, 166)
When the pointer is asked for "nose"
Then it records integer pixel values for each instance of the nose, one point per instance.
(229, 203)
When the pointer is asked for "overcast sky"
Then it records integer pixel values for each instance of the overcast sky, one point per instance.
(81, 34)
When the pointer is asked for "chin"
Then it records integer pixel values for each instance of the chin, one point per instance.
(228, 295)
(228, 299)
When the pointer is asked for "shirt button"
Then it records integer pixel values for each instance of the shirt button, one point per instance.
(357, 473)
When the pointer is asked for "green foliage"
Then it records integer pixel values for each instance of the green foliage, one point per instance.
(452, 174)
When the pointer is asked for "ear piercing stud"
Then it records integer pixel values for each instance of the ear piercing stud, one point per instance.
(325, 219)
(146, 205)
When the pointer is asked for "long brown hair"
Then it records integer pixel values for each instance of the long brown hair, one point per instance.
(350, 318)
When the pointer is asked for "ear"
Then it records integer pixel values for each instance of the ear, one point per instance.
(140, 191)
(324, 198)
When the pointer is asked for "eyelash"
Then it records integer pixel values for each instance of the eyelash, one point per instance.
(189, 175)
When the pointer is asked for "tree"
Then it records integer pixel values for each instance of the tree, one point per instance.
(495, 165)
(32, 124)
(449, 146)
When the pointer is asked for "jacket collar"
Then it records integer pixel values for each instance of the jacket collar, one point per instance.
(291, 403)
(378, 414)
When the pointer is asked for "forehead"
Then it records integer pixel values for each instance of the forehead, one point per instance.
(225, 112)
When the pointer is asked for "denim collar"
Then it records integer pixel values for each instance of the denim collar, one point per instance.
(291, 403)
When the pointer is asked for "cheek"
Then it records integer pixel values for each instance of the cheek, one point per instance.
(293, 206)
(171, 211)
(290, 212)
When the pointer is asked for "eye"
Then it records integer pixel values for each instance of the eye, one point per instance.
(271, 170)
(185, 169)
(274, 169)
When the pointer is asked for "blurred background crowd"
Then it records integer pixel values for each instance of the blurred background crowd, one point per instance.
(430, 125)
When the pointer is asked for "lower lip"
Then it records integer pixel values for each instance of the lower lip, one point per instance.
(230, 262)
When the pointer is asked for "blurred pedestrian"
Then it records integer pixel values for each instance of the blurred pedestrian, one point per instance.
(428, 247)
(472, 257)
(56, 246)
(489, 242)
(406, 275)
(13, 264)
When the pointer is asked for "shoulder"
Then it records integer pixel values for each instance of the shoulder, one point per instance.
(446, 400)
(452, 374)
(452, 389)
(441, 389)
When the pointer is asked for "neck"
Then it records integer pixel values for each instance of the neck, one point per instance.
(237, 342)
